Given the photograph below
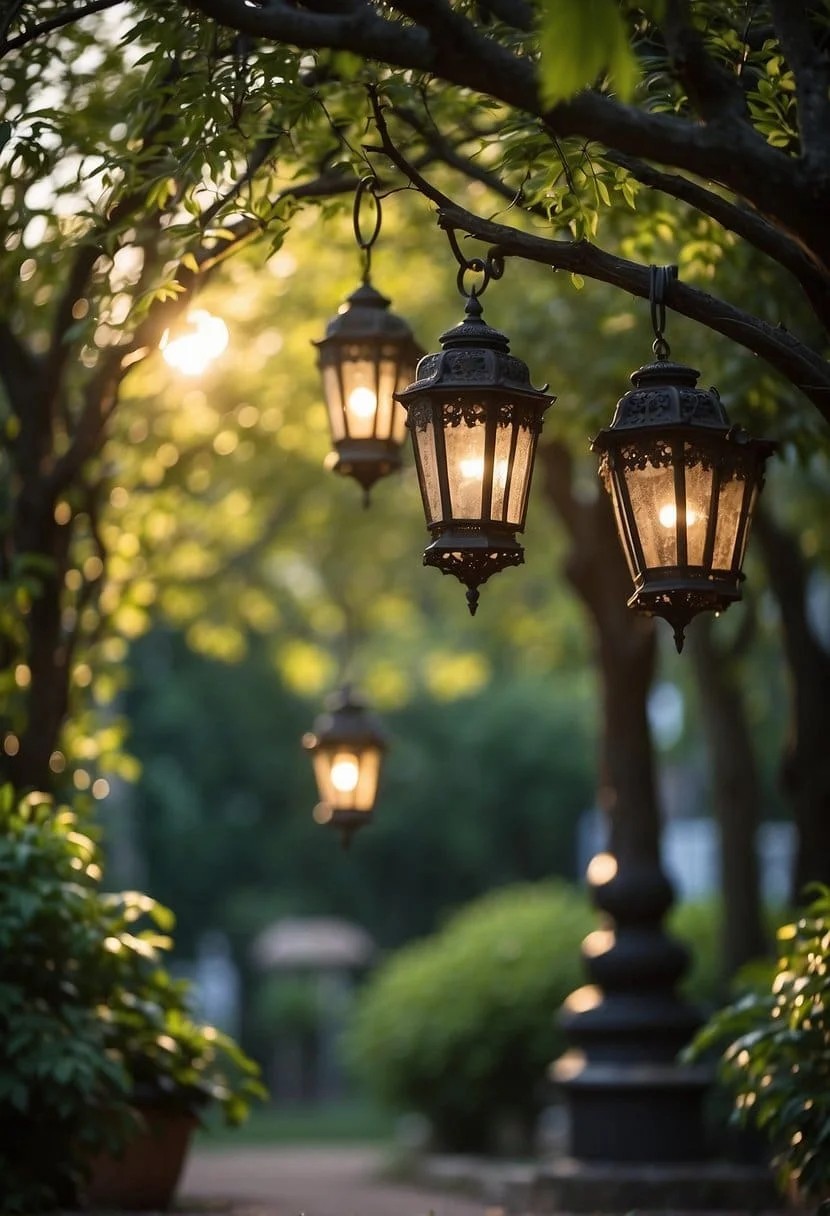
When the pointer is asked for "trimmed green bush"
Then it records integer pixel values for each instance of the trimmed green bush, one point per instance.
(462, 1025)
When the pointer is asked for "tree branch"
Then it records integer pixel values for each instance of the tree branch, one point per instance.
(812, 78)
(717, 96)
(745, 223)
(66, 16)
(101, 394)
(806, 370)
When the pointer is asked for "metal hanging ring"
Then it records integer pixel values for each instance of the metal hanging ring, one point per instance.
(659, 279)
(366, 185)
(474, 266)
(490, 267)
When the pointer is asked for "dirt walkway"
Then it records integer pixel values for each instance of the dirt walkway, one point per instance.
(302, 1181)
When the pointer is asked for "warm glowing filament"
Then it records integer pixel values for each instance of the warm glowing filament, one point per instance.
(668, 516)
(344, 773)
(204, 340)
(362, 402)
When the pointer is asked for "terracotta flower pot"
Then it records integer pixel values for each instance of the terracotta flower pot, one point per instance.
(146, 1173)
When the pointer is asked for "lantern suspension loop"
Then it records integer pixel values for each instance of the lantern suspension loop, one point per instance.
(367, 186)
(490, 267)
(659, 279)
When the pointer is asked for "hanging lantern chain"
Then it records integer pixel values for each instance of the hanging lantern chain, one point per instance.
(367, 187)
(490, 267)
(659, 279)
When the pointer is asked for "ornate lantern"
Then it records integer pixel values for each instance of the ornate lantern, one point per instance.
(347, 745)
(683, 483)
(366, 355)
(474, 418)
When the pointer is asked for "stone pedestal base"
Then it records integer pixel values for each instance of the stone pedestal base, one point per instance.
(622, 1112)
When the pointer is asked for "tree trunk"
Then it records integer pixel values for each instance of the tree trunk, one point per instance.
(736, 792)
(805, 771)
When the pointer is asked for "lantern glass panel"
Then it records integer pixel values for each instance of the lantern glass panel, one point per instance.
(730, 500)
(465, 446)
(360, 397)
(520, 475)
(698, 505)
(427, 462)
(333, 392)
(653, 506)
(501, 469)
(367, 786)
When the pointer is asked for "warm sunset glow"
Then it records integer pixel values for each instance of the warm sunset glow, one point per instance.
(202, 339)
(344, 773)
(362, 402)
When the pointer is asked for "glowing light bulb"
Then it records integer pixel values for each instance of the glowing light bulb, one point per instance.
(668, 516)
(473, 467)
(362, 402)
(344, 773)
(204, 340)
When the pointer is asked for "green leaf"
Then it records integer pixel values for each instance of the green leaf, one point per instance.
(581, 39)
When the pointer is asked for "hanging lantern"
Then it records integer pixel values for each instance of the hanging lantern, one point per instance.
(683, 483)
(474, 418)
(367, 354)
(347, 745)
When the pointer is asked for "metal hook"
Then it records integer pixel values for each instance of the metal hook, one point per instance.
(366, 185)
(659, 279)
(489, 267)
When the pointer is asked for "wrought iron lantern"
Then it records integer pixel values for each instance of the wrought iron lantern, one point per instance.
(347, 745)
(475, 419)
(683, 483)
(366, 355)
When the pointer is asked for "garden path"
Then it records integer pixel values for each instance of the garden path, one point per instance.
(307, 1181)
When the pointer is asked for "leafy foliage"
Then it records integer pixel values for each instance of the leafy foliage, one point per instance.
(89, 1020)
(777, 1063)
(461, 1026)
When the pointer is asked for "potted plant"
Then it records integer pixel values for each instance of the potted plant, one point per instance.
(99, 1058)
(777, 1061)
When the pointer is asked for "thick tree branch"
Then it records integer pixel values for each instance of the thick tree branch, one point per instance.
(18, 368)
(447, 45)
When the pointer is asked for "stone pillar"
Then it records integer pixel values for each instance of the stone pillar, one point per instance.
(628, 1098)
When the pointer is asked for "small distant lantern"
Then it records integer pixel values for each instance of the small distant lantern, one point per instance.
(367, 354)
(475, 419)
(683, 483)
(347, 745)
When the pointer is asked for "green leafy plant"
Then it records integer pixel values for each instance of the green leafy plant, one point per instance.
(462, 1025)
(777, 1062)
(90, 1022)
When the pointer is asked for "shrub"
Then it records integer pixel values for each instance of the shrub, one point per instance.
(89, 1019)
(462, 1025)
(777, 1062)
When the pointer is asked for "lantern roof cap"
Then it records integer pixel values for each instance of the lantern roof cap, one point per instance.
(346, 720)
(474, 331)
(665, 394)
(475, 357)
(365, 315)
